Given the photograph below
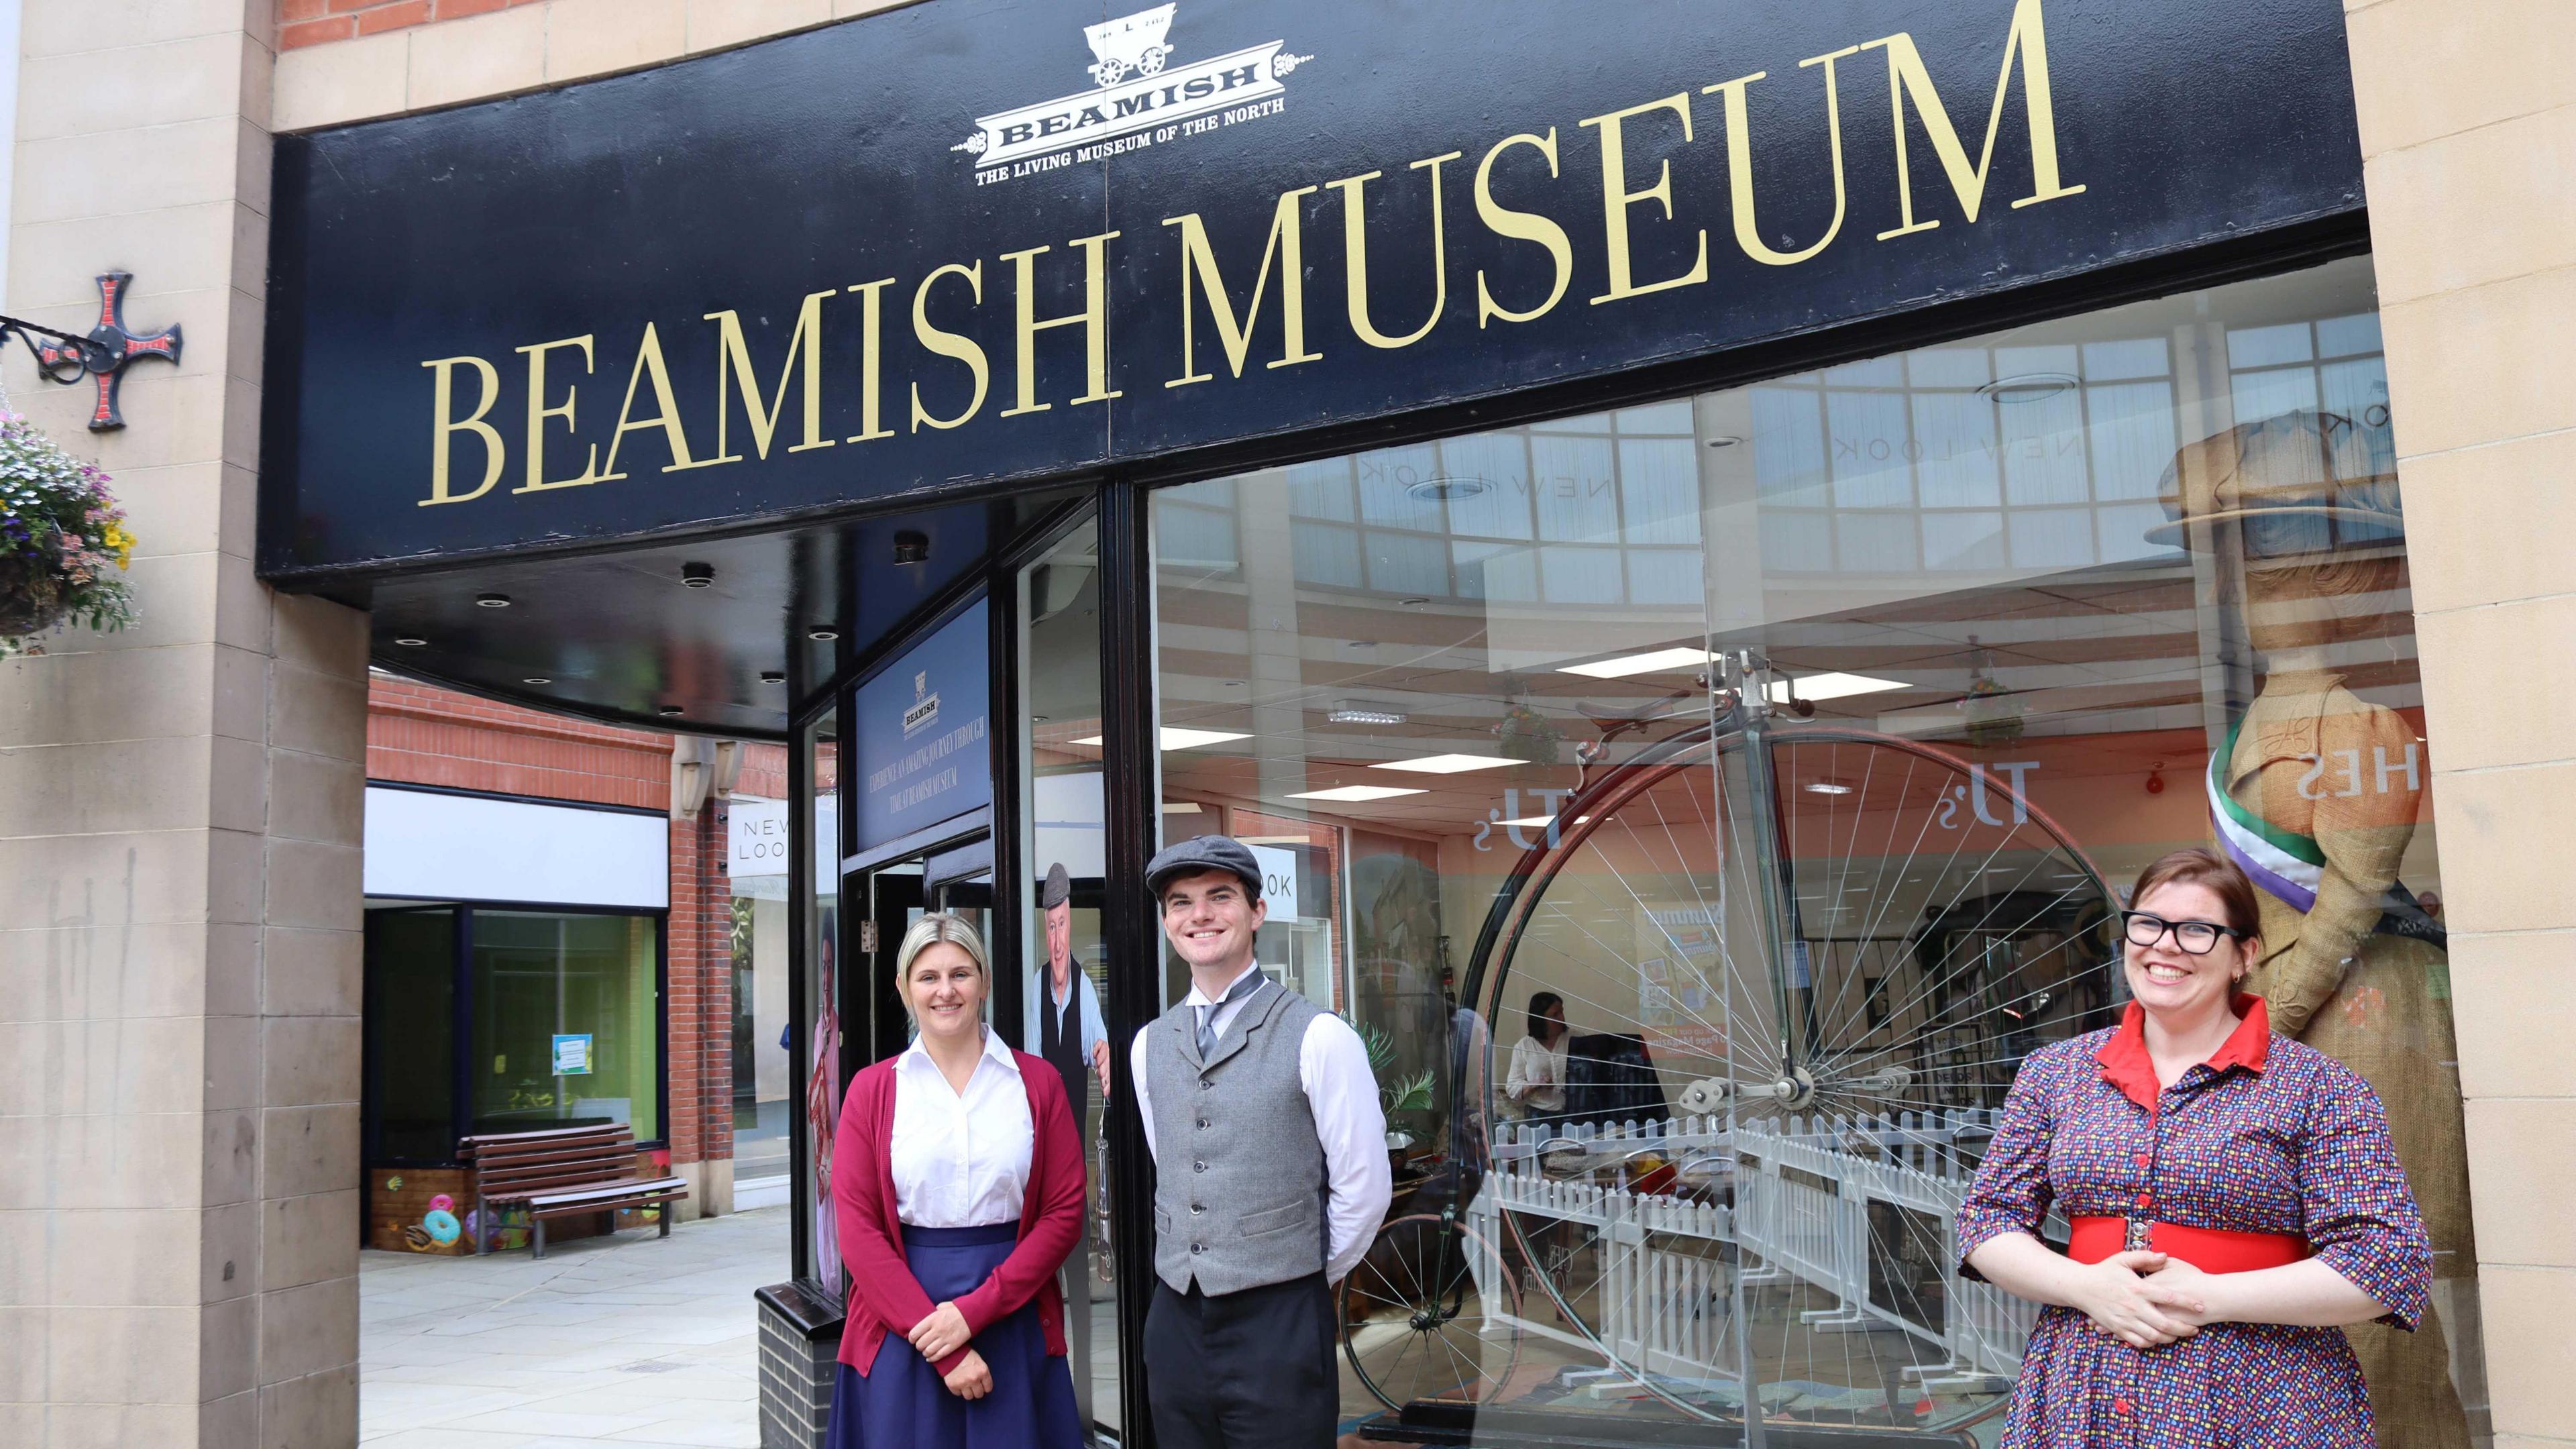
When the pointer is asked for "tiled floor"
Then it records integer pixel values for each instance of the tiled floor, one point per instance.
(627, 1340)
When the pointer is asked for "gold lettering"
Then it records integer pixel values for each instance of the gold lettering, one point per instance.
(1526, 226)
(1905, 73)
(648, 363)
(445, 424)
(949, 344)
(1355, 251)
(871, 360)
(1198, 263)
(1739, 162)
(804, 350)
(1093, 319)
(538, 412)
(1616, 198)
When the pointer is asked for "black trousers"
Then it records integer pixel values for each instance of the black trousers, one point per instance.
(1248, 1370)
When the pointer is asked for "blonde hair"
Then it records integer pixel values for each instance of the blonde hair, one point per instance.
(936, 929)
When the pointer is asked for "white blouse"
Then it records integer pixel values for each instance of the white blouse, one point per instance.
(961, 1160)
(1537, 1078)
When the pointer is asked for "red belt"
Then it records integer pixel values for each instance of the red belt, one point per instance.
(2212, 1250)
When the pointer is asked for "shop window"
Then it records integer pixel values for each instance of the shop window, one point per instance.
(2010, 608)
(563, 1025)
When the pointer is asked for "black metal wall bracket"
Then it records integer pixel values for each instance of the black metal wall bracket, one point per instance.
(101, 356)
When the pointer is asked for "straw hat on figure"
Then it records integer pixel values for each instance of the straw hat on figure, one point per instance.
(2316, 791)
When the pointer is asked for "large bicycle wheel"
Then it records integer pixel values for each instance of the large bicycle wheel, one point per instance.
(1802, 965)
(1432, 1314)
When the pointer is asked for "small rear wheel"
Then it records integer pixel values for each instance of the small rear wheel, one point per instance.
(1151, 62)
(1431, 1314)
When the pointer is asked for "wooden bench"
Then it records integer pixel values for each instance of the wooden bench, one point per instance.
(563, 1172)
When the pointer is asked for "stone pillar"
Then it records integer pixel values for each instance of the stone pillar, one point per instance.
(2468, 126)
(179, 810)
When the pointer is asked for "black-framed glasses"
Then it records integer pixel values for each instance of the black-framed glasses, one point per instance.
(2197, 938)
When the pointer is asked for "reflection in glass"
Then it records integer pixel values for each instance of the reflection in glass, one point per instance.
(1822, 713)
(567, 1022)
(819, 1071)
(411, 1029)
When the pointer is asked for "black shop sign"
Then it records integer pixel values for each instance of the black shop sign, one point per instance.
(976, 241)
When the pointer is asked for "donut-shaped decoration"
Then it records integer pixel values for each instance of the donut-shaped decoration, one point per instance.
(441, 1226)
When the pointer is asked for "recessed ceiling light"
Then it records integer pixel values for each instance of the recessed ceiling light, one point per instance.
(1725, 440)
(2029, 387)
(1830, 686)
(697, 575)
(491, 601)
(1176, 738)
(822, 633)
(1656, 662)
(1541, 822)
(411, 641)
(1355, 793)
(1828, 787)
(1444, 764)
(1414, 601)
(911, 547)
(536, 679)
(670, 711)
(1364, 712)
(773, 676)
(1441, 490)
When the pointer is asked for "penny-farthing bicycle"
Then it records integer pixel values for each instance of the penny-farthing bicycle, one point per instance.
(1804, 961)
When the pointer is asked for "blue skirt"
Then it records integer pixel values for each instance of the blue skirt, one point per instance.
(901, 1403)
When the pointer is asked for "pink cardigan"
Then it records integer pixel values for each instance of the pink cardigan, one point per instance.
(885, 1297)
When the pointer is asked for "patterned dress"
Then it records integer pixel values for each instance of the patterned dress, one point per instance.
(2268, 1136)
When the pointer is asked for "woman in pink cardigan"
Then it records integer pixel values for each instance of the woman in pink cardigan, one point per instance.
(957, 1189)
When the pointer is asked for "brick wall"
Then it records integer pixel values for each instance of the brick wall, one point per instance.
(419, 734)
(312, 22)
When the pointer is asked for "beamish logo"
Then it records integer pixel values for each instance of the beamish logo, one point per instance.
(1141, 99)
(925, 706)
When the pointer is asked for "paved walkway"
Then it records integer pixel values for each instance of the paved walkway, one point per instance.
(628, 1340)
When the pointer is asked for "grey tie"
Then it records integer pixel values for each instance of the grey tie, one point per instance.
(1248, 983)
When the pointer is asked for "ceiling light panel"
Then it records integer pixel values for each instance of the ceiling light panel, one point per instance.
(1353, 794)
(1444, 764)
(1176, 738)
(1660, 661)
(1831, 686)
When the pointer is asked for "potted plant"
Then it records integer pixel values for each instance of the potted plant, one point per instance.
(60, 531)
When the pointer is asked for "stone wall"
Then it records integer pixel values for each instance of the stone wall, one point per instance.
(179, 810)
(2468, 130)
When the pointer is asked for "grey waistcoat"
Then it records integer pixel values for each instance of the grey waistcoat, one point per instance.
(1239, 1198)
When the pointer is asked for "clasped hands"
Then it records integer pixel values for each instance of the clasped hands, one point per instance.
(2145, 1299)
(943, 1333)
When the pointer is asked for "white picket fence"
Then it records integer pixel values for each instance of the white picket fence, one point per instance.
(1802, 1190)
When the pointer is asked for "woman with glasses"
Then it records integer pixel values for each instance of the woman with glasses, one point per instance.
(957, 1185)
(2232, 1195)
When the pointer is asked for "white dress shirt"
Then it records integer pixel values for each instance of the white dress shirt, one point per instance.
(961, 1159)
(1537, 1078)
(1333, 1067)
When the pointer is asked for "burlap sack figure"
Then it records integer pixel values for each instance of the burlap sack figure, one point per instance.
(2318, 792)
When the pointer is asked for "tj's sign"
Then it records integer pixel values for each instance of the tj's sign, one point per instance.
(760, 283)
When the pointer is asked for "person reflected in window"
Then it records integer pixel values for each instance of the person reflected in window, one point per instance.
(2233, 1195)
(958, 1195)
(1534, 1088)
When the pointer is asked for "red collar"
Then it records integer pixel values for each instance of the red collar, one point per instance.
(2126, 1065)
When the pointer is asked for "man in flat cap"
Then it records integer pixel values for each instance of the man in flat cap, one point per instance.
(1263, 1119)
(1072, 1037)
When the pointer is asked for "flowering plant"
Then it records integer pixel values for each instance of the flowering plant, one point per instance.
(59, 533)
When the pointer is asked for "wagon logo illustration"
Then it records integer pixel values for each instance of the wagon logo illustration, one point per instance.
(1141, 96)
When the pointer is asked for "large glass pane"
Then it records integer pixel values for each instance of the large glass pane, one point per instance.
(411, 1028)
(1811, 856)
(567, 1021)
(763, 1074)
(819, 1070)
(1065, 972)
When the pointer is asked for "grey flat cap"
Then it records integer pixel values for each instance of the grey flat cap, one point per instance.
(1203, 852)
(1057, 890)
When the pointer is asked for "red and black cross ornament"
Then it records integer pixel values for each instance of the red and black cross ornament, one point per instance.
(110, 347)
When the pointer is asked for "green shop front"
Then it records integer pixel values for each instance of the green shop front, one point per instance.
(1754, 521)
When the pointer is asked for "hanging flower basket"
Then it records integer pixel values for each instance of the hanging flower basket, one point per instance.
(60, 532)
